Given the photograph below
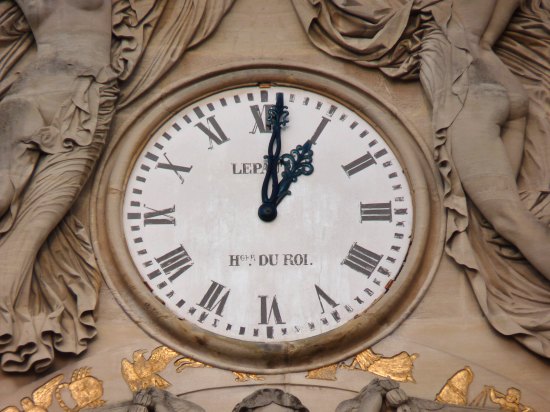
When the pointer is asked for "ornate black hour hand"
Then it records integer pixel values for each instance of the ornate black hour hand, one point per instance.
(295, 163)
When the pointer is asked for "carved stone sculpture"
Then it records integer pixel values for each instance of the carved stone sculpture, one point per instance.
(152, 400)
(384, 395)
(157, 400)
(55, 111)
(480, 142)
(270, 399)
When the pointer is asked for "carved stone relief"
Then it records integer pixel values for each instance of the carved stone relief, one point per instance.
(489, 140)
(85, 390)
(153, 400)
(385, 395)
(55, 115)
(270, 399)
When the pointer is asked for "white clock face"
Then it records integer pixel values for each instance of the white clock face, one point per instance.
(192, 228)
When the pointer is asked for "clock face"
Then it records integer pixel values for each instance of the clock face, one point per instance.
(190, 217)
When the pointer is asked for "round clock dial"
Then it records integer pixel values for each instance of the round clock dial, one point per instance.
(192, 228)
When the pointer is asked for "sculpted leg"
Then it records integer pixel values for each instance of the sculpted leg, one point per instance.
(513, 138)
(488, 177)
(19, 118)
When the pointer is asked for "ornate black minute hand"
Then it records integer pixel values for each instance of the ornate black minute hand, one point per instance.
(296, 163)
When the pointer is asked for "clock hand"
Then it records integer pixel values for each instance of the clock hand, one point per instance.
(295, 163)
(277, 117)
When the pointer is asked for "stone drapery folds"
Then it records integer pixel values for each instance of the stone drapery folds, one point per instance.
(427, 40)
(48, 272)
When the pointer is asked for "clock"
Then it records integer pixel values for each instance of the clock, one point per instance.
(340, 266)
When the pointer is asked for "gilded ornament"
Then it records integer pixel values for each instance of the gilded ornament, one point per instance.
(398, 367)
(41, 397)
(326, 373)
(143, 373)
(85, 390)
(186, 362)
(455, 391)
(510, 401)
(245, 377)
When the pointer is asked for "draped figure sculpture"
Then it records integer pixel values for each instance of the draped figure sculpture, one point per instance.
(496, 199)
(55, 111)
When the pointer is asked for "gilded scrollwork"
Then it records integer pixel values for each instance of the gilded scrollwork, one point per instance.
(245, 377)
(186, 362)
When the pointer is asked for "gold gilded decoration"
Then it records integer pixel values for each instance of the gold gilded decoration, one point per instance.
(143, 373)
(326, 373)
(41, 397)
(398, 367)
(455, 391)
(186, 362)
(510, 401)
(245, 377)
(85, 390)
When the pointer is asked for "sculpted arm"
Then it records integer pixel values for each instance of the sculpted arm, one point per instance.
(495, 398)
(499, 20)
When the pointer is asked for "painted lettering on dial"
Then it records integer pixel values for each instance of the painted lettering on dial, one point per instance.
(173, 263)
(359, 164)
(362, 260)
(319, 130)
(322, 296)
(159, 217)
(177, 169)
(214, 299)
(217, 135)
(260, 118)
(268, 310)
(187, 217)
(376, 212)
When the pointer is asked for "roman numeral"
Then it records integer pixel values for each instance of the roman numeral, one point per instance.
(217, 136)
(321, 295)
(376, 212)
(175, 262)
(212, 300)
(359, 164)
(362, 260)
(265, 316)
(260, 118)
(159, 217)
(175, 168)
(319, 130)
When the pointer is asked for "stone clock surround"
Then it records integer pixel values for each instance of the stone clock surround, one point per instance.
(447, 329)
(355, 336)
